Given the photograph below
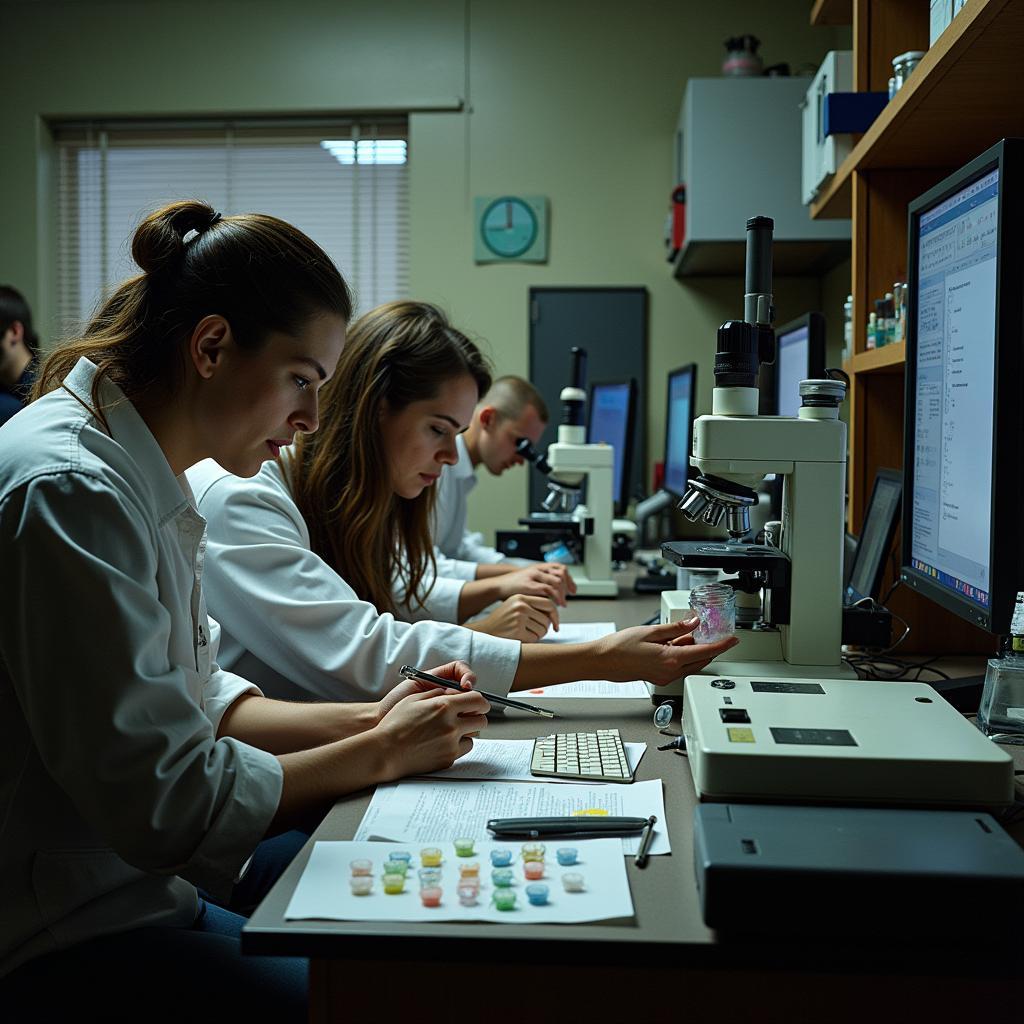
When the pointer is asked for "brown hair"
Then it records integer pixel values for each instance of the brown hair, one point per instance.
(398, 353)
(511, 395)
(256, 271)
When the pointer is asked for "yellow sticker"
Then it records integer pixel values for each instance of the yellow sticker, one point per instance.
(740, 734)
(595, 811)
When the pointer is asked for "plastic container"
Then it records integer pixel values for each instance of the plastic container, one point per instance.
(715, 603)
(903, 65)
(1002, 699)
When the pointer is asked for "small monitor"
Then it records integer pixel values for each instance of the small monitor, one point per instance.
(963, 428)
(876, 537)
(800, 355)
(682, 394)
(612, 410)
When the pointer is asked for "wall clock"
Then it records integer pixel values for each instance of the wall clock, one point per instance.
(510, 229)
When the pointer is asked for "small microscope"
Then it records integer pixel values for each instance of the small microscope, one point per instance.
(792, 586)
(571, 465)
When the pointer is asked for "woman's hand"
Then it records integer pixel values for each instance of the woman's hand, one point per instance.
(457, 671)
(427, 731)
(519, 618)
(545, 579)
(658, 654)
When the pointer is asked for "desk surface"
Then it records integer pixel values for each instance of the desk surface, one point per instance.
(667, 928)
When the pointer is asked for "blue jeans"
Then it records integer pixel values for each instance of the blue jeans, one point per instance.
(171, 974)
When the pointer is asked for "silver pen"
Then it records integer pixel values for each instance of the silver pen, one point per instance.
(414, 673)
(645, 842)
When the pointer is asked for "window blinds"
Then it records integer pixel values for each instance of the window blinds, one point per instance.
(342, 183)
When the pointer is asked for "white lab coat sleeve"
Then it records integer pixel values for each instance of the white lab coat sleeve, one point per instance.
(440, 602)
(473, 549)
(118, 726)
(454, 568)
(290, 609)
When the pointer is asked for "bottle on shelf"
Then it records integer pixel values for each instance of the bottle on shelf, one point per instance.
(872, 329)
(848, 328)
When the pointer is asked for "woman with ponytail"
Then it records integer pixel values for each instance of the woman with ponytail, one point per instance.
(138, 779)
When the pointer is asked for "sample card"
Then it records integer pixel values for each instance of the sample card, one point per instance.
(324, 891)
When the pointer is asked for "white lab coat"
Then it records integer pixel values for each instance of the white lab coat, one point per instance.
(453, 540)
(292, 624)
(116, 798)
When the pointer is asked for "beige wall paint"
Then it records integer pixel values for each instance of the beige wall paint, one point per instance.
(570, 99)
(582, 109)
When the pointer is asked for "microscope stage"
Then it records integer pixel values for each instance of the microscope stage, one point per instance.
(837, 741)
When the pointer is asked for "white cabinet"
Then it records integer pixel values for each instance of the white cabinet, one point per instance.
(738, 152)
(824, 153)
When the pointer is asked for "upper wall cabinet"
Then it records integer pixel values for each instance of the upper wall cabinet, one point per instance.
(738, 152)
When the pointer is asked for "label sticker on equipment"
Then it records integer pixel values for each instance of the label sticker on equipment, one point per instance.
(740, 735)
(814, 737)
(777, 686)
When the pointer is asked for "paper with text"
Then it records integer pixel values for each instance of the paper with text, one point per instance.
(413, 811)
(509, 760)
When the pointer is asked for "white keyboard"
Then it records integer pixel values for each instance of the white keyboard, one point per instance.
(592, 756)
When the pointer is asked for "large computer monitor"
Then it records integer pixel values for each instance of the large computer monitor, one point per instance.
(800, 356)
(612, 411)
(682, 394)
(964, 414)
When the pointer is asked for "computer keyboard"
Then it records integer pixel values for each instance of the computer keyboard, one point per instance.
(592, 756)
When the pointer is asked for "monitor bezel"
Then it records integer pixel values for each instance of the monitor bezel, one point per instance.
(690, 368)
(891, 476)
(816, 358)
(1007, 565)
(619, 502)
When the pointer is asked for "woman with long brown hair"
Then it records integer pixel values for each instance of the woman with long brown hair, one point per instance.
(304, 559)
(137, 778)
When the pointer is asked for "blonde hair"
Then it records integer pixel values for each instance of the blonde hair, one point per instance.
(399, 353)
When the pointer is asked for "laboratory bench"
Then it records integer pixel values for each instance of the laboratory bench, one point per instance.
(663, 962)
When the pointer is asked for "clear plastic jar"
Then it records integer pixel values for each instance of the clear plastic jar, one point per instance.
(715, 603)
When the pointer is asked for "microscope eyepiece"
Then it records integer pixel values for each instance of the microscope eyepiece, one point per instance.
(526, 450)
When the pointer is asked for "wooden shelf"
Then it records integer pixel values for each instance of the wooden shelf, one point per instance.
(958, 101)
(832, 12)
(888, 359)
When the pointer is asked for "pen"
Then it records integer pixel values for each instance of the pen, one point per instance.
(578, 825)
(645, 843)
(414, 673)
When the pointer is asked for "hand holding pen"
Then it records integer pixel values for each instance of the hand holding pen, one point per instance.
(414, 673)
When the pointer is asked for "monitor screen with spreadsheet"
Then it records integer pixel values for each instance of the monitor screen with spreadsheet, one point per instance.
(963, 422)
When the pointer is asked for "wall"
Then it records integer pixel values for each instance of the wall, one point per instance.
(574, 100)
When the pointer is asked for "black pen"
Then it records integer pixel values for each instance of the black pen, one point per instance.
(414, 673)
(645, 842)
(577, 825)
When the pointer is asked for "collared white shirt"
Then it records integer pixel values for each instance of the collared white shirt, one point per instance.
(116, 797)
(462, 550)
(291, 622)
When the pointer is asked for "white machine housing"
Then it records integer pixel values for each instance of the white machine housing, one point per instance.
(572, 460)
(809, 451)
(856, 741)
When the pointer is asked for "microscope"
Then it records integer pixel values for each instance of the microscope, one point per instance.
(582, 531)
(790, 587)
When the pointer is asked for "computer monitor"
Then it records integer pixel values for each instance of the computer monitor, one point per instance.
(964, 412)
(800, 356)
(876, 537)
(682, 394)
(612, 410)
